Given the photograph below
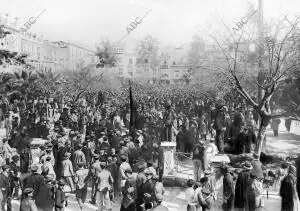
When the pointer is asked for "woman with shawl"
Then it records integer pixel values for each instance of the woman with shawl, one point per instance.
(288, 192)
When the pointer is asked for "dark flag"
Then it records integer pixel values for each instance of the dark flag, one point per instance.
(101, 98)
(133, 112)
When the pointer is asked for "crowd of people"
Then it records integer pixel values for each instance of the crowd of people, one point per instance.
(96, 143)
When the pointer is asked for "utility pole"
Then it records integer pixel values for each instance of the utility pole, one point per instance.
(260, 29)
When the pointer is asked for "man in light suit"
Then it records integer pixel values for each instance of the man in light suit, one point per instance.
(104, 182)
(67, 171)
(81, 180)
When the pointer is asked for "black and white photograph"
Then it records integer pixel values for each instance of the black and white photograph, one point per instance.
(150, 105)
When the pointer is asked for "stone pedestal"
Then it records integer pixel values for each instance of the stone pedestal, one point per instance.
(169, 151)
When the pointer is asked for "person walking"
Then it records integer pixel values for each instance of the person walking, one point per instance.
(219, 124)
(95, 170)
(198, 160)
(35, 181)
(140, 180)
(6, 194)
(242, 187)
(48, 169)
(45, 200)
(255, 193)
(275, 126)
(14, 176)
(67, 171)
(78, 157)
(81, 181)
(27, 203)
(228, 189)
(104, 182)
(128, 202)
(60, 198)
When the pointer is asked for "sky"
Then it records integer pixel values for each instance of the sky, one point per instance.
(172, 22)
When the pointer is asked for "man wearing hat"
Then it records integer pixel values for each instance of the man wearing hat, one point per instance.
(28, 203)
(7, 151)
(158, 157)
(228, 189)
(104, 145)
(49, 153)
(140, 180)
(148, 188)
(169, 116)
(5, 188)
(242, 187)
(23, 148)
(60, 198)
(81, 179)
(88, 153)
(128, 202)
(288, 192)
(67, 171)
(14, 176)
(45, 200)
(35, 181)
(48, 169)
(78, 157)
(124, 165)
(104, 185)
(219, 124)
(95, 170)
(210, 182)
(198, 160)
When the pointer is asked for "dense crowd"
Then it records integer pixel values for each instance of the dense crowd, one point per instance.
(96, 143)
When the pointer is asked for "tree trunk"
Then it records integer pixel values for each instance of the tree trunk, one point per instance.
(264, 122)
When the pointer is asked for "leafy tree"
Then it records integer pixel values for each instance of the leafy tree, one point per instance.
(24, 82)
(196, 52)
(79, 83)
(106, 55)
(49, 83)
(147, 52)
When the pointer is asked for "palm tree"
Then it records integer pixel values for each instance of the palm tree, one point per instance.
(24, 82)
(48, 82)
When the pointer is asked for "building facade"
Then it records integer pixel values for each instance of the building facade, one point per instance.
(44, 54)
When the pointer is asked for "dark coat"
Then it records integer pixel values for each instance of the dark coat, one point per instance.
(5, 183)
(228, 191)
(45, 199)
(60, 200)
(287, 193)
(241, 189)
(240, 143)
(34, 181)
(88, 154)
